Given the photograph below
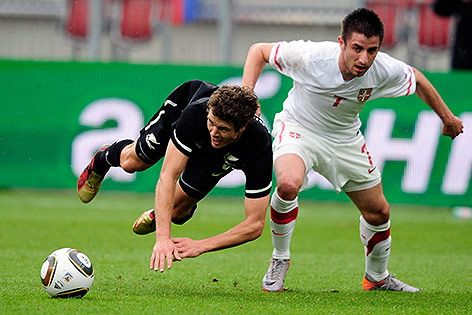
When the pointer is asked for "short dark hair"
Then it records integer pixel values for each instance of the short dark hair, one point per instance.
(363, 21)
(234, 104)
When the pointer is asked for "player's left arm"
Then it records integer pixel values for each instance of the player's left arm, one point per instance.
(248, 230)
(452, 125)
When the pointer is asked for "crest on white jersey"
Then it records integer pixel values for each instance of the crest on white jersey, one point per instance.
(364, 95)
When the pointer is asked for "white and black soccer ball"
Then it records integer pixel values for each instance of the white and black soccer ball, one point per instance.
(67, 273)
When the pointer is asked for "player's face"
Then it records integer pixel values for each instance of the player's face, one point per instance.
(222, 133)
(357, 54)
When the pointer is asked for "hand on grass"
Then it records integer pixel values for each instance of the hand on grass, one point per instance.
(164, 249)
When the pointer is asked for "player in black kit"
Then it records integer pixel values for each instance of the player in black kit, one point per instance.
(212, 130)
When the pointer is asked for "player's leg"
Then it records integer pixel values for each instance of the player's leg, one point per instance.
(132, 155)
(119, 154)
(374, 229)
(194, 184)
(290, 165)
(375, 236)
(92, 176)
(130, 161)
(290, 174)
(184, 208)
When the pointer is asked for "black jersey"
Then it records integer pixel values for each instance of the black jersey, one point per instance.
(185, 110)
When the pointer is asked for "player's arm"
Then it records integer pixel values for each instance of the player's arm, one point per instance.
(248, 230)
(257, 58)
(452, 125)
(164, 249)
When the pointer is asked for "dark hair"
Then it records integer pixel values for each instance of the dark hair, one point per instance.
(234, 104)
(363, 21)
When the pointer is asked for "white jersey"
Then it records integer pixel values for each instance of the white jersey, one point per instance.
(321, 100)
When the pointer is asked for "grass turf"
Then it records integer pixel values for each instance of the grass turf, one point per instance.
(431, 250)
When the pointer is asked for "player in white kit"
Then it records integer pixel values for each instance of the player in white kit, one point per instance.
(318, 129)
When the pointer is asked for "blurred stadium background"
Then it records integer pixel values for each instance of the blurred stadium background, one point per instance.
(205, 31)
(79, 73)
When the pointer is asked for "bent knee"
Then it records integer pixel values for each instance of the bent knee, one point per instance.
(288, 190)
(377, 216)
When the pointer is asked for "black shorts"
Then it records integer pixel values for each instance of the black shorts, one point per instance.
(152, 143)
(154, 137)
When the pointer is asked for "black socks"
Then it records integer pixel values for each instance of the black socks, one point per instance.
(109, 157)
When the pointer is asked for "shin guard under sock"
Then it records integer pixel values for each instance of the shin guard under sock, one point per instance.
(377, 242)
(283, 215)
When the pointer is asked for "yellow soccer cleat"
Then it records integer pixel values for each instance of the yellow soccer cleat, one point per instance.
(146, 223)
(89, 182)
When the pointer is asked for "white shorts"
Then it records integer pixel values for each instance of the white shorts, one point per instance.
(347, 166)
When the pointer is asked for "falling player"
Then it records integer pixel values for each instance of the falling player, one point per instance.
(204, 132)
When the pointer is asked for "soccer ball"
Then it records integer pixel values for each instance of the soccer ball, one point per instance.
(67, 273)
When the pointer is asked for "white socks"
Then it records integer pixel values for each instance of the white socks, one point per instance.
(283, 215)
(376, 239)
(377, 242)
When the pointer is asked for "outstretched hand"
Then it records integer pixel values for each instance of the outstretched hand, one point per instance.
(187, 247)
(453, 128)
(164, 249)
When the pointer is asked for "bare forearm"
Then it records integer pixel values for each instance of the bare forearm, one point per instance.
(452, 125)
(240, 234)
(163, 205)
(257, 58)
(164, 249)
(426, 91)
(248, 230)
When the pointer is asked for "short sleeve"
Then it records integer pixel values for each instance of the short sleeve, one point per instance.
(185, 131)
(258, 164)
(402, 80)
(291, 59)
(259, 178)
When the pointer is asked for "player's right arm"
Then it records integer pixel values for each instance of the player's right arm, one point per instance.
(257, 58)
(164, 249)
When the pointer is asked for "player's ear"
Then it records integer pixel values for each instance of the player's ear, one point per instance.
(341, 41)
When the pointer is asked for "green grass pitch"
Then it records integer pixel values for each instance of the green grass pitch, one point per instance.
(431, 249)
